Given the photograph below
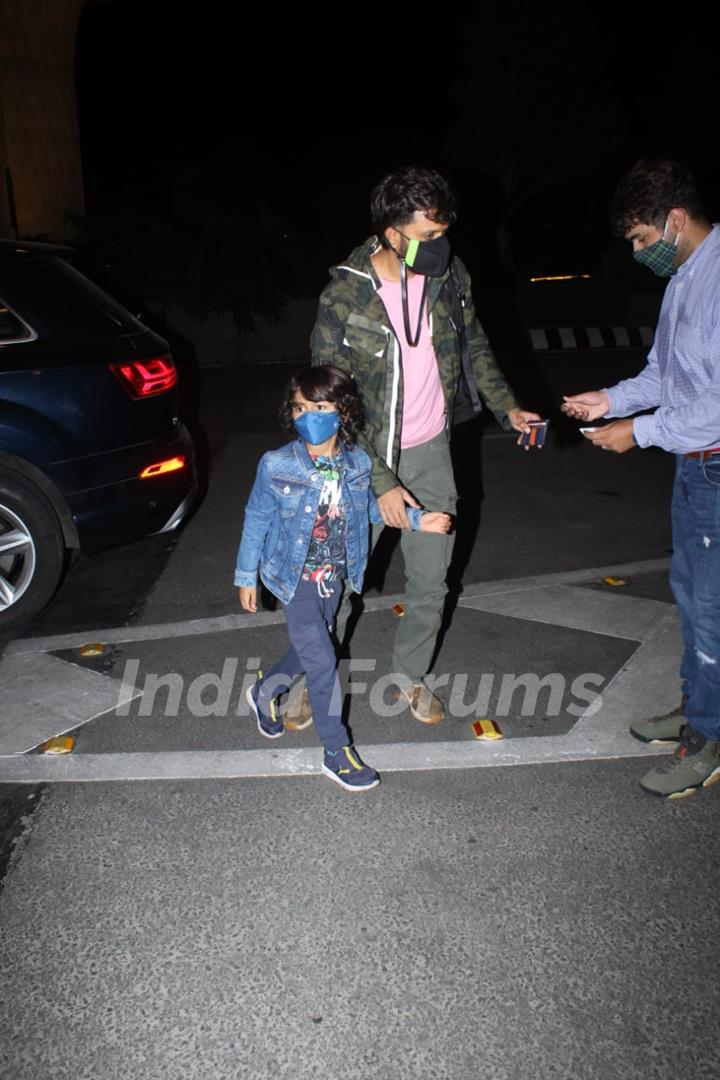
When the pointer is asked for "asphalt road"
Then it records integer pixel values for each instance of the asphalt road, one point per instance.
(183, 902)
(557, 506)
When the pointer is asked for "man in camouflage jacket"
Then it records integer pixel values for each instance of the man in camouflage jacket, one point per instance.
(355, 330)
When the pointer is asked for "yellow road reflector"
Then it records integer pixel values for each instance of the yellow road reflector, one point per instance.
(487, 730)
(61, 744)
(399, 610)
(94, 648)
(616, 581)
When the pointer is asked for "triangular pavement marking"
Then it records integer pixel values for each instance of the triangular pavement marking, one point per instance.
(609, 614)
(647, 685)
(41, 696)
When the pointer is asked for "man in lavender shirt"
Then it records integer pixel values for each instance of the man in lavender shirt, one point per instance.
(657, 208)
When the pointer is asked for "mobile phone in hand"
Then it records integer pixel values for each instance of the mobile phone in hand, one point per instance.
(535, 437)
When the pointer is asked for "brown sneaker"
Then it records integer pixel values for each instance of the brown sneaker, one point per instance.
(297, 713)
(424, 705)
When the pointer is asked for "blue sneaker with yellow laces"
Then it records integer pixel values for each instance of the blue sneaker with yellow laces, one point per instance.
(346, 769)
(269, 723)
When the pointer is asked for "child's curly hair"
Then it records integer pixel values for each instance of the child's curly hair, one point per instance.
(327, 383)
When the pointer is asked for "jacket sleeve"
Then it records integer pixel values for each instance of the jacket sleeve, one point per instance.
(258, 515)
(490, 380)
(383, 478)
(327, 345)
(412, 512)
(328, 334)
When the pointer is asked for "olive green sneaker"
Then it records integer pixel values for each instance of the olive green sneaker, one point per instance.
(661, 730)
(695, 764)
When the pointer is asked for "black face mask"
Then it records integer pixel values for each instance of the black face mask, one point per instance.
(429, 258)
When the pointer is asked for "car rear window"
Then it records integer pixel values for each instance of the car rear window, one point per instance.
(12, 328)
(109, 309)
(57, 301)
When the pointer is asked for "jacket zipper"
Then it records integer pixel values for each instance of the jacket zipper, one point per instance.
(393, 399)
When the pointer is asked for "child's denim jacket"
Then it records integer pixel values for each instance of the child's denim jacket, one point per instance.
(280, 515)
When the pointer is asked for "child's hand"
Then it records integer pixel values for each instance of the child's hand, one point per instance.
(248, 598)
(435, 522)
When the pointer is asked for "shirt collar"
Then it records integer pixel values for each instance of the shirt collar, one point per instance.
(711, 241)
(319, 460)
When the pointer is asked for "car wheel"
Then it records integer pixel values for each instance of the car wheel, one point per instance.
(32, 553)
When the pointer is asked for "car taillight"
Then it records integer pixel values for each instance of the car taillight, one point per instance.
(143, 378)
(160, 467)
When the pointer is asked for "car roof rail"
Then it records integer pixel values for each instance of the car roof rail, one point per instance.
(34, 248)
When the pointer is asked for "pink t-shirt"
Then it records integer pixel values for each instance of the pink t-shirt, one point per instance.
(423, 399)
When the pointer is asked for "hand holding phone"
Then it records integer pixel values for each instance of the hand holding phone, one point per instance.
(535, 437)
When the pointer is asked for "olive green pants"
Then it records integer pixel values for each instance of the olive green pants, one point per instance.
(426, 472)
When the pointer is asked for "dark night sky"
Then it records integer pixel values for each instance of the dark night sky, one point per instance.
(158, 78)
(306, 108)
(297, 101)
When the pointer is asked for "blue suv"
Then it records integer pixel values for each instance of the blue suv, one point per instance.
(92, 450)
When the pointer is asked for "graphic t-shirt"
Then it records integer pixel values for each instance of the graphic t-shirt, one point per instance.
(326, 558)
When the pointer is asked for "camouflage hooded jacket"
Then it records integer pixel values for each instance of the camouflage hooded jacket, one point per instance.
(352, 330)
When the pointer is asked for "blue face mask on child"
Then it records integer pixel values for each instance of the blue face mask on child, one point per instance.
(317, 427)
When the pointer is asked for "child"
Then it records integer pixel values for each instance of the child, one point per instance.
(306, 526)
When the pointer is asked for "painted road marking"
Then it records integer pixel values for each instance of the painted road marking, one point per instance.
(595, 612)
(43, 696)
(221, 623)
(646, 685)
(244, 764)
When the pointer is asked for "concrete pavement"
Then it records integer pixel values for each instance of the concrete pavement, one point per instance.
(508, 924)
(188, 902)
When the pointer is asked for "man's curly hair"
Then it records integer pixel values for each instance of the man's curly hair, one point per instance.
(399, 194)
(327, 383)
(650, 191)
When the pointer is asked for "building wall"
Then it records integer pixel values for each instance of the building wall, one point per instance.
(39, 145)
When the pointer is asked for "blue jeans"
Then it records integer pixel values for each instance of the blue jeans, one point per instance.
(309, 618)
(695, 581)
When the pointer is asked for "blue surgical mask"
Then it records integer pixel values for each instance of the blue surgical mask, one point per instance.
(317, 427)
